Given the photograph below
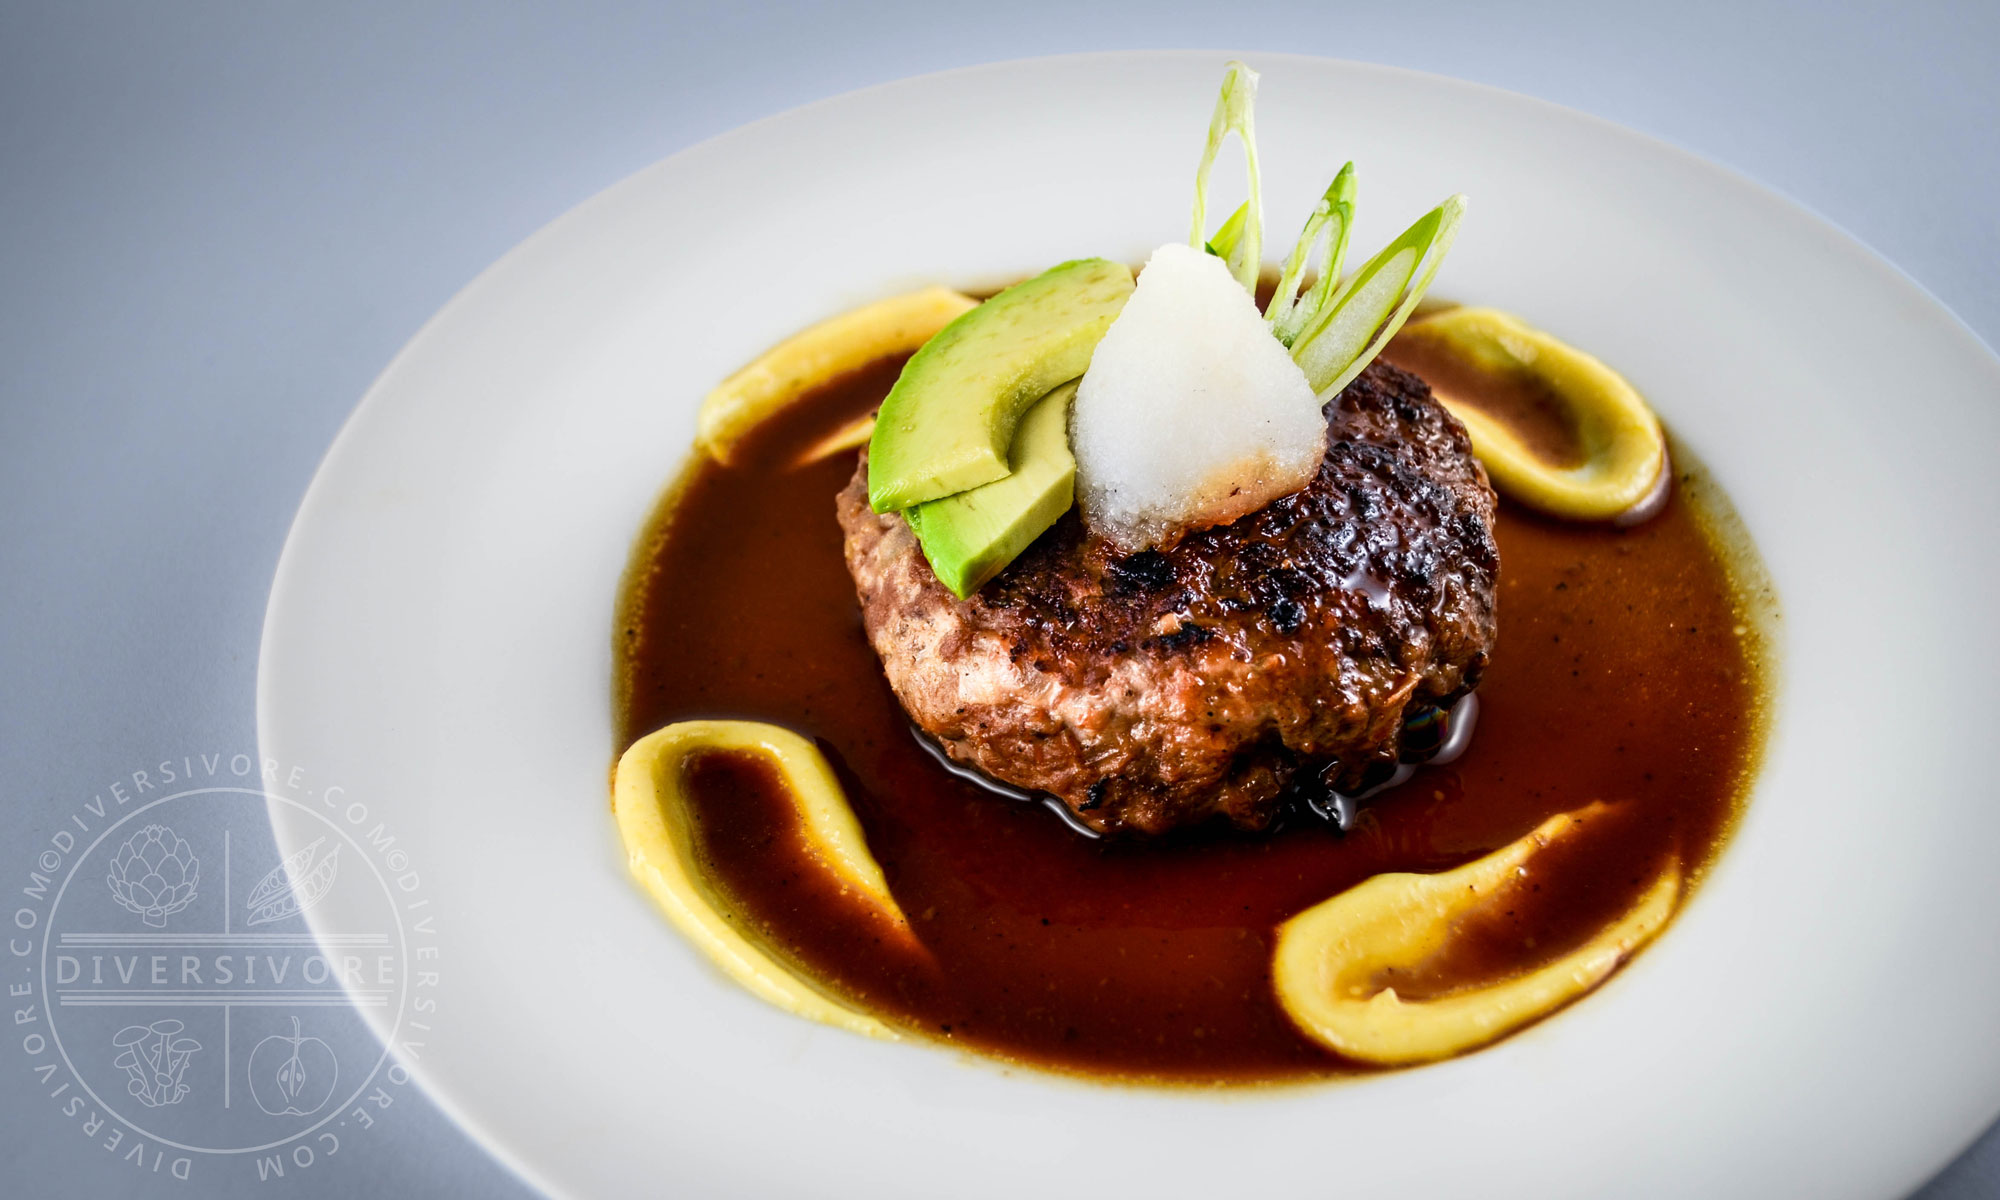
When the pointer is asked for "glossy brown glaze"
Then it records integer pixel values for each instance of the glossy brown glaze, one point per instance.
(1626, 671)
(1525, 402)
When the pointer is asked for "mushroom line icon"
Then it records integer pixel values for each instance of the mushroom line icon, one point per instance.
(155, 1057)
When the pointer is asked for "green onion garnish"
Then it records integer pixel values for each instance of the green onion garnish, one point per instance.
(1245, 242)
(1222, 243)
(1370, 307)
(1333, 216)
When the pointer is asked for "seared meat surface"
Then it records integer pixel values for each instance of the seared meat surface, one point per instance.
(1162, 689)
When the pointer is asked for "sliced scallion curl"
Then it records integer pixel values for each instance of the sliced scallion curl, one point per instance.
(1233, 115)
(1289, 313)
(1223, 243)
(1365, 312)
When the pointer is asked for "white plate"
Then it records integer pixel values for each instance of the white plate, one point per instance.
(1824, 1020)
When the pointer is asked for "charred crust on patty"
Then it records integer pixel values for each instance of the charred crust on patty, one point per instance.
(1160, 689)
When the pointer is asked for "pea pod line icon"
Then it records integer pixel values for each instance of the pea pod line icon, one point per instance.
(294, 885)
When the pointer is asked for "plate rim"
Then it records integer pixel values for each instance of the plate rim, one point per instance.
(379, 392)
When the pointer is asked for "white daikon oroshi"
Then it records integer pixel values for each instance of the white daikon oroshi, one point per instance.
(1191, 414)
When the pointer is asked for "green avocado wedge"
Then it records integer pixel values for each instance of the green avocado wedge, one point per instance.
(971, 536)
(947, 425)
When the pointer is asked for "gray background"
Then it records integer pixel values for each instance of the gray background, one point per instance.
(218, 223)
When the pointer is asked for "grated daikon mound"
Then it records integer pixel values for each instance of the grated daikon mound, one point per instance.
(1191, 414)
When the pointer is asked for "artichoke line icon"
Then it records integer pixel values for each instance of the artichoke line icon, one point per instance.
(154, 874)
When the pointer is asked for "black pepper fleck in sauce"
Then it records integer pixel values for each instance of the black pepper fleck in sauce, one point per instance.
(1627, 670)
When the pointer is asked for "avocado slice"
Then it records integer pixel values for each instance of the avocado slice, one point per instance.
(948, 423)
(971, 536)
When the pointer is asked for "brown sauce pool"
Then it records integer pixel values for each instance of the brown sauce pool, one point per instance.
(1628, 670)
(1527, 404)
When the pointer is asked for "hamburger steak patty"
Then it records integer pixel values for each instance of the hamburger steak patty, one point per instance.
(1160, 689)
